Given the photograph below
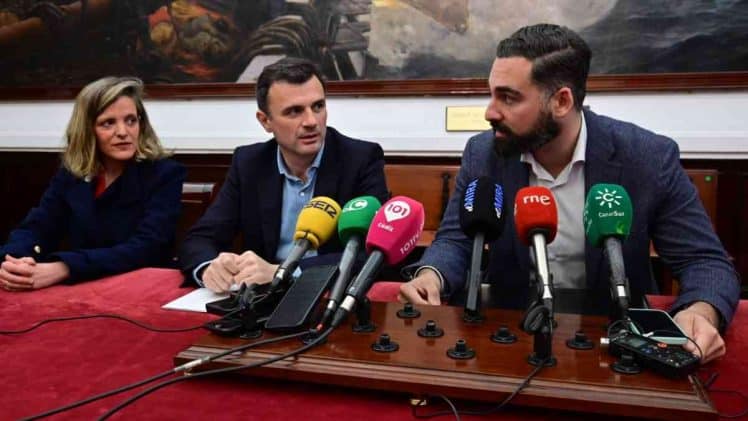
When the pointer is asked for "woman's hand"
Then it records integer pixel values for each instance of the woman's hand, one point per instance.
(24, 274)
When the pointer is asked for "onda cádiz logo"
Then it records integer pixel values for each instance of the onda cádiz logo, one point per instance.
(357, 205)
(608, 198)
(396, 210)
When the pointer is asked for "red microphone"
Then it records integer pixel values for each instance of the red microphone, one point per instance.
(535, 212)
(536, 219)
(393, 234)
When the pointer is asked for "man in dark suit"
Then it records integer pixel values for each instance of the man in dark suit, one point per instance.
(269, 183)
(542, 136)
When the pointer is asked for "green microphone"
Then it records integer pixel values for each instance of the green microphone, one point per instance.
(607, 222)
(353, 225)
(356, 217)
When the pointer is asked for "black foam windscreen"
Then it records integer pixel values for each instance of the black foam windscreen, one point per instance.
(481, 208)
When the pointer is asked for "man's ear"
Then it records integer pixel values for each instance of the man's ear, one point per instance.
(264, 120)
(562, 102)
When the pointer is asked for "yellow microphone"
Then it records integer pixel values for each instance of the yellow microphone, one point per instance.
(316, 224)
(317, 221)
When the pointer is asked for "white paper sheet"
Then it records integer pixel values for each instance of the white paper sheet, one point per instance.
(195, 300)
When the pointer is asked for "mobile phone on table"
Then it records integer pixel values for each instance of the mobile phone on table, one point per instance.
(656, 324)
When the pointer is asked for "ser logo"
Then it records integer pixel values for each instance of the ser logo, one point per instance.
(324, 206)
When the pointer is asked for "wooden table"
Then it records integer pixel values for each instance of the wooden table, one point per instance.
(581, 381)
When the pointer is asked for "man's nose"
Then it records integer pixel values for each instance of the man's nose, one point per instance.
(310, 119)
(493, 113)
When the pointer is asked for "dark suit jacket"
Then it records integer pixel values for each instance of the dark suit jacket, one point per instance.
(250, 200)
(666, 208)
(131, 225)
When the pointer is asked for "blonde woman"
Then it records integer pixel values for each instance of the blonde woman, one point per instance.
(114, 203)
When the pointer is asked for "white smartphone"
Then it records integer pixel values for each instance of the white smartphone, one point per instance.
(656, 324)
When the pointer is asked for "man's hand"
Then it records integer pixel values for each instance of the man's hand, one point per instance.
(423, 289)
(219, 275)
(253, 269)
(699, 321)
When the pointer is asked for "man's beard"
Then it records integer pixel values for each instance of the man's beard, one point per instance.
(543, 131)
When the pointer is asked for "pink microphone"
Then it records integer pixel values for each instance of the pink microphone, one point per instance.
(393, 234)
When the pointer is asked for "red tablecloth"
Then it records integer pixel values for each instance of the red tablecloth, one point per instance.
(63, 362)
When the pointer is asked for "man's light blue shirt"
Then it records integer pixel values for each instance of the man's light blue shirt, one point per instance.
(296, 194)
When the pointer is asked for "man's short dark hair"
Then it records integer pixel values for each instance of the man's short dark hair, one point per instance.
(559, 56)
(290, 69)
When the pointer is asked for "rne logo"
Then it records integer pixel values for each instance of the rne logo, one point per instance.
(534, 198)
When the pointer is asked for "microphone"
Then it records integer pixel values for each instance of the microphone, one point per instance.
(353, 225)
(481, 218)
(607, 222)
(315, 225)
(536, 219)
(393, 234)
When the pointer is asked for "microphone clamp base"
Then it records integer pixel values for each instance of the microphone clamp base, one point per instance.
(363, 317)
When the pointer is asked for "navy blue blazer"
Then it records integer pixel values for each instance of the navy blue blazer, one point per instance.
(666, 208)
(130, 226)
(250, 200)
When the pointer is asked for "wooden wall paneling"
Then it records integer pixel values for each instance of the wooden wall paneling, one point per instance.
(432, 185)
(732, 210)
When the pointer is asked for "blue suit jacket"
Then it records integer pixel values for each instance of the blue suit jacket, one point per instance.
(250, 200)
(666, 208)
(131, 225)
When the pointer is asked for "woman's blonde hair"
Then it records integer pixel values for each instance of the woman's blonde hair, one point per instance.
(81, 156)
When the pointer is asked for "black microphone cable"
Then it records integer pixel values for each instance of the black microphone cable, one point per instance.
(154, 388)
(708, 387)
(106, 316)
(454, 411)
(183, 367)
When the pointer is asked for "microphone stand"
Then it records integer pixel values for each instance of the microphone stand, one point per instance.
(344, 277)
(539, 317)
(543, 273)
(619, 283)
(476, 275)
(257, 302)
(540, 323)
(284, 273)
(363, 322)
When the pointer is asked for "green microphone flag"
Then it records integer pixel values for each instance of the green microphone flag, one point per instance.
(356, 217)
(607, 213)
